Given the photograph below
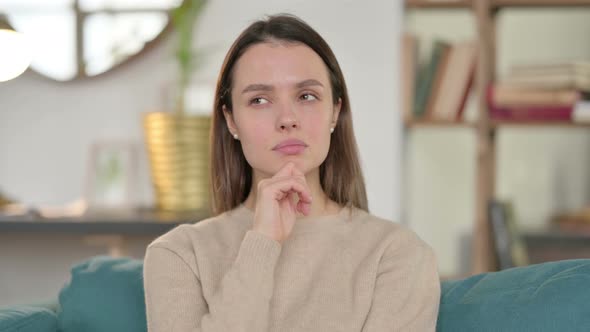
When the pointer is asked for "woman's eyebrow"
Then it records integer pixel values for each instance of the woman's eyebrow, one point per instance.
(266, 87)
(309, 82)
(258, 87)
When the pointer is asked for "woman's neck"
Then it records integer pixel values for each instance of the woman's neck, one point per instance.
(321, 204)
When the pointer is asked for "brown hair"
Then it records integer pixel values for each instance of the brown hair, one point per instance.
(231, 176)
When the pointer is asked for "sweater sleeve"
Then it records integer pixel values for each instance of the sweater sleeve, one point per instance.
(407, 292)
(175, 300)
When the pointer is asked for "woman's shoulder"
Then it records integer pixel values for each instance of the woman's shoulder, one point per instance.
(375, 223)
(392, 236)
(226, 225)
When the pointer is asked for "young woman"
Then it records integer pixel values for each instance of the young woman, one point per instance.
(292, 246)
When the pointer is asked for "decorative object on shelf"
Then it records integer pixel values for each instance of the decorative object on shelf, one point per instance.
(510, 248)
(111, 181)
(178, 146)
(5, 201)
(177, 140)
(581, 113)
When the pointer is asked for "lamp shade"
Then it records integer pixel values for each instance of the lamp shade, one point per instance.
(16, 54)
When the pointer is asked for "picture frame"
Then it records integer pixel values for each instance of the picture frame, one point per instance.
(111, 180)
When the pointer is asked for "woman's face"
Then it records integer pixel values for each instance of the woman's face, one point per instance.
(282, 107)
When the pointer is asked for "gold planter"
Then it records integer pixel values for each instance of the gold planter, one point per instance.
(178, 150)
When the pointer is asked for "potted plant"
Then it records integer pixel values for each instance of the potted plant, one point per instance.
(178, 142)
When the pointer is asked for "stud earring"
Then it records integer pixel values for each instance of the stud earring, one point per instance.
(235, 136)
(331, 130)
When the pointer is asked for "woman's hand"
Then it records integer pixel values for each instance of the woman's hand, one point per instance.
(277, 205)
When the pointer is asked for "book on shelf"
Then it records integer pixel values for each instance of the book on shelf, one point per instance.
(550, 92)
(456, 75)
(531, 114)
(577, 113)
(566, 75)
(443, 83)
(508, 96)
(409, 65)
(510, 248)
(437, 81)
(426, 77)
(574, 221)
(527, 112)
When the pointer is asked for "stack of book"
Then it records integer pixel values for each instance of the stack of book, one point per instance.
(557, 92)
(437, 90)
(575, 221)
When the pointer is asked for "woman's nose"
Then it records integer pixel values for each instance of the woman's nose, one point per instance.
(287, 118)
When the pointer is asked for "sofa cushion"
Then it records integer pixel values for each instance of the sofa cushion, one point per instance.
(545, 297)
(103, 294)
(27, 318)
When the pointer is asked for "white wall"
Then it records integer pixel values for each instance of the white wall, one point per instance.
(542, 170)
(46, 127)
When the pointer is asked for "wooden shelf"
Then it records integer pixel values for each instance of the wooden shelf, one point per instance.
(139, 222)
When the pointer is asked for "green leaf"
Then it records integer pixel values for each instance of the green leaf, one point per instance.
(183, 19)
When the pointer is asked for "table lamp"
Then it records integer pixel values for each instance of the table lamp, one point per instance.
(16, 55)
(15, 58)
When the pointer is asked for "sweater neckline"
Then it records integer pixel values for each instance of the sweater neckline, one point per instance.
(305, 224)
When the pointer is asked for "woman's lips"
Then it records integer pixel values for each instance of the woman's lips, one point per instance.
(290, 147)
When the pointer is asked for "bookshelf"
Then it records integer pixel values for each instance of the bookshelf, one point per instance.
(484, 14)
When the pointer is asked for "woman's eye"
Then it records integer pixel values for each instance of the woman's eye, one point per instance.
(258, 101)
(308, 96)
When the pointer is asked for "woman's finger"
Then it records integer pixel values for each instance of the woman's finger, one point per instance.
(286, 170)
(303, 207)
(280, 189)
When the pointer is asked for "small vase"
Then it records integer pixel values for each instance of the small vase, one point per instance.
(178, 150)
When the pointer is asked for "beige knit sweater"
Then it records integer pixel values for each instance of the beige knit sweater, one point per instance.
(346, 272)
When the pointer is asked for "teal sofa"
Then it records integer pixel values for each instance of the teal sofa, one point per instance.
(106, 294)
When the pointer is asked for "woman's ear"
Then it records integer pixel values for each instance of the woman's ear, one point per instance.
(229, 120)
(336, 112)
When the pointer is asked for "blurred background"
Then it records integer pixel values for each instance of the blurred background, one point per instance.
(470, 117)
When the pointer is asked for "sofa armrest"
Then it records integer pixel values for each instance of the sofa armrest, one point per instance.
(25, 318)
(551, 296)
